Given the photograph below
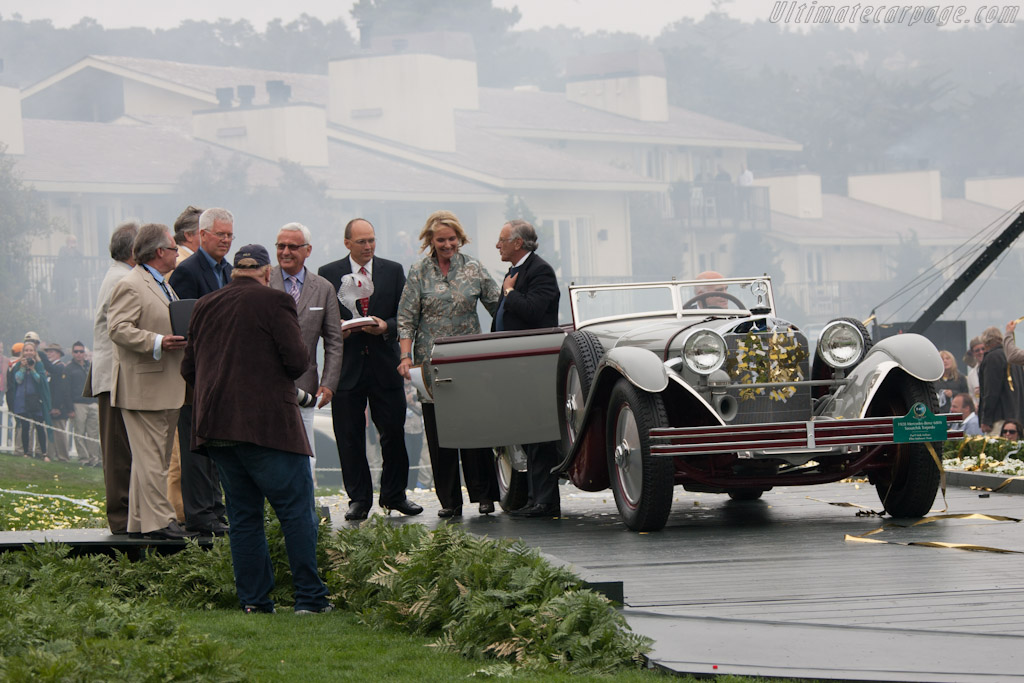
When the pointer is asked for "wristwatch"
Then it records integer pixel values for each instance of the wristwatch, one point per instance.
(508, 289)
(407, 355)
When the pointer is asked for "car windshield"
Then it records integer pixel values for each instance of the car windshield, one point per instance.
(728, 296)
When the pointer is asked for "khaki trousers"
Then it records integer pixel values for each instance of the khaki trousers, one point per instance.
(150, 434)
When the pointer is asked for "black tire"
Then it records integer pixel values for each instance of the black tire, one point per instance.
(513, 486)
(908, 489)
(822, 370)
(745, 494)
(577, 364)
(642, 483)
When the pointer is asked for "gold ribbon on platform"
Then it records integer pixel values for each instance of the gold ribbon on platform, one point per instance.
(865, 537)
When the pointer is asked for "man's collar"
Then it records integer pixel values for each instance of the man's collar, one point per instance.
(212, 261)
(355, 266)
(154, 272)
(300, 276)
(521, 261)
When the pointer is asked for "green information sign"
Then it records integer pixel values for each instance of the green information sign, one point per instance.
(920, 424)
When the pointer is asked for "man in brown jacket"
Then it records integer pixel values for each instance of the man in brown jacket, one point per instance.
(244, 353)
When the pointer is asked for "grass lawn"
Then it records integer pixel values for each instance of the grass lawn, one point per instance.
(336, 647)
(50, 484)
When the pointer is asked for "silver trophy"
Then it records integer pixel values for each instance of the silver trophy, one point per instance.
(353, 288)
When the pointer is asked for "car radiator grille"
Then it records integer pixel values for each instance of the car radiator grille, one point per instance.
(762, 407)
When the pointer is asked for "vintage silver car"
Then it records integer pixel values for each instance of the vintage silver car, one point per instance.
(693, 383)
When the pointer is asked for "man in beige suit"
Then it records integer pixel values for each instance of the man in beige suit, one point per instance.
(317, 304)
(147, 382)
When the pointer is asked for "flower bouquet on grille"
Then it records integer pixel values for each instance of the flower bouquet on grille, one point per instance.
(354, 294)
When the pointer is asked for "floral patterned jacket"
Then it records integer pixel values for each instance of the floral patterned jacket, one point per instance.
(435, 305)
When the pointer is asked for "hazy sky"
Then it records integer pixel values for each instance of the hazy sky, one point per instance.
(634, 16)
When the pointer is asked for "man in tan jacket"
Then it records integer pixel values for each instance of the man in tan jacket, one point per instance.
(147, 384)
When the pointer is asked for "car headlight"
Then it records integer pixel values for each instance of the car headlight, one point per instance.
(704, 351)
(841, 344)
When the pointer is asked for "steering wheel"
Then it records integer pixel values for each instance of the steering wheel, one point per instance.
(703, 297)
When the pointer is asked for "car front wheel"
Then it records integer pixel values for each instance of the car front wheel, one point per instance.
(908, 489)
(642, 483)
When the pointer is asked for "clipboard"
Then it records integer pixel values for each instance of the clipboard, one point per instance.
(181, 316)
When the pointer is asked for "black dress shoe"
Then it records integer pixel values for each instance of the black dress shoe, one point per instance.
(486, 507)
(357, 509)
(538, 511)
(450, 512)
(214, 528)
(406, 507)
(171, 532)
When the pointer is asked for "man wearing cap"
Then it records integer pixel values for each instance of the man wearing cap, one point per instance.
(61, 407)
(147, 383)
(204, 272)
(86, 408)
(258, 459)
(317, 305)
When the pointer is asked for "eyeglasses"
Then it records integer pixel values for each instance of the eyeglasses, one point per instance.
(363, 243)
(222, 236)
(1008, 432)
(77, 350)
(174, 248)
(281, 246)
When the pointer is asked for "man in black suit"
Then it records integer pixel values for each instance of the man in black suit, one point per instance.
(201, 273)
(529, 300)
(369, 374)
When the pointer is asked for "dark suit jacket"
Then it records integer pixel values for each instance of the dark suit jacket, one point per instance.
(533, 304)
(380, 351)
(318, 318)
(244, 353)
(194, 277)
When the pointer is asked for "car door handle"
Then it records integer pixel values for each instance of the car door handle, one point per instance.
(443, 380)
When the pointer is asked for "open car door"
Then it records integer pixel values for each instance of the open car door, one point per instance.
(495, 389)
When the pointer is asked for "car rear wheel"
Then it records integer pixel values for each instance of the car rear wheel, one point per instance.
(642, 483)
(908, 489)
(513, 485)
(577, 364)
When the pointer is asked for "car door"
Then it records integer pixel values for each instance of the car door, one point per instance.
(496, 389)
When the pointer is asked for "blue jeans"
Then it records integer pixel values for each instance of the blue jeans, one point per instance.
(249, 473)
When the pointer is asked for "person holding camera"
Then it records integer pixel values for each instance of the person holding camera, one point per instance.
(246, 419)
(28, 397)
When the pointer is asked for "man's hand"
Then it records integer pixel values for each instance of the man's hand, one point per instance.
(509, 282)
(172, 342)
(325, 395)
(985, 429)
(55, 412)
(380, 328)
(1011, 326)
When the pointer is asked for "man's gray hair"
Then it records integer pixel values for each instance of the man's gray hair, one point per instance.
(210, 216)
(254, 273)
(151, 237)
(298, 227)
(525, 231)
(122, 240)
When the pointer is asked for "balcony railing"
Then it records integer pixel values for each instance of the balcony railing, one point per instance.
(721, 205)
(57, 284)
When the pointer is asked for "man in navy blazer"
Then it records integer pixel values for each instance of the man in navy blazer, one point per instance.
(529, 300)
(369, 374)
(201, 273)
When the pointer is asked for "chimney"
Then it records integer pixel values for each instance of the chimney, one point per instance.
(246, 94)
(918, 193)
(12, 132)
(406, 88)
(225, 97)
(278, 92)
(1003, 192)
(630, 83)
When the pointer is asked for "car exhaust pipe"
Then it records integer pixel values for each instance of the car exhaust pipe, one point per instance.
(726, 405)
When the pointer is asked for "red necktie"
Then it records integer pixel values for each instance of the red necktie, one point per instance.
(364, 304)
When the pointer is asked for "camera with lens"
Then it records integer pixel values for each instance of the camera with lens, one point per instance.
(29, 362)
(305, 399)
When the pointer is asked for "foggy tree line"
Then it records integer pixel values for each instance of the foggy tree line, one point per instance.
(875, 99)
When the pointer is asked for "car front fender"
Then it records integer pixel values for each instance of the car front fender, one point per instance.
(643, 368)
(912, 353)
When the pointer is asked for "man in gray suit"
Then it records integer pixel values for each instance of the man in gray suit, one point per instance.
(317, 305)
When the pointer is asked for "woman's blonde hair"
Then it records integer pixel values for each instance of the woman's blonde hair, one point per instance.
(954, 372)
(437, 220)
